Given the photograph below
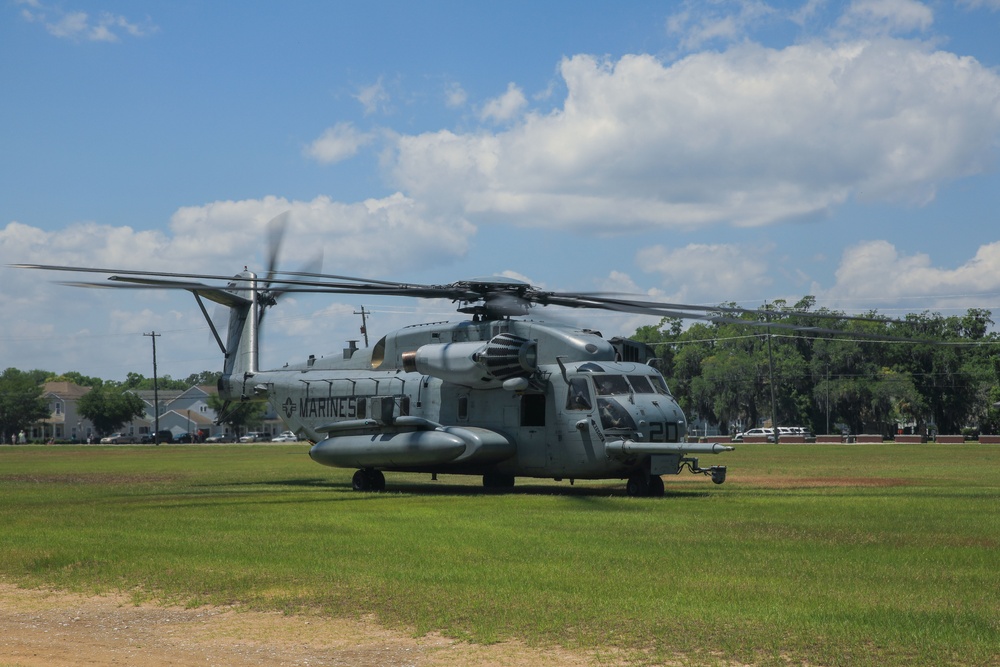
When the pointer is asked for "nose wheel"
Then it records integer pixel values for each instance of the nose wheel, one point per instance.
(644, 485)
(368, 479)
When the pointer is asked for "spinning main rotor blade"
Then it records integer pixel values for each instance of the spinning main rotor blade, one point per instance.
(656, 307)
(498, 297)
(219, 295)
(361, 285)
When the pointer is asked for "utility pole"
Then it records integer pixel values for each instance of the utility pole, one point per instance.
(770, 372)
(364, 322)
(156, 393)
(828, 398)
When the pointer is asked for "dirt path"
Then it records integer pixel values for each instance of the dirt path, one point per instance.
(60, 630)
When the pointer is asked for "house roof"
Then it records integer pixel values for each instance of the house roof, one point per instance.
(64, 390)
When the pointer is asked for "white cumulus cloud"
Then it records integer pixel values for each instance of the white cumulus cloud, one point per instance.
(874, 273)
(887, 16)
(81, 26)
(373, 97)
(708, 273)
(505, 107)
(749, 136)
(371, 238)
(338, 143)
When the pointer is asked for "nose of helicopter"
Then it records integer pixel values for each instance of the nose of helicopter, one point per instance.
(658, 418)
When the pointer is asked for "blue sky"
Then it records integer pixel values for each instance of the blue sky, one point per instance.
(700, 151)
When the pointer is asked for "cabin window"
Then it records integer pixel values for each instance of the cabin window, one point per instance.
(404, 406)
(533, 410)
(463, 408)
(578, 395)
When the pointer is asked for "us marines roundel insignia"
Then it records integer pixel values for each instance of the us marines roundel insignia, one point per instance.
(289, 406)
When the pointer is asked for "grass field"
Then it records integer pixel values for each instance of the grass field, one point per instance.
(821, 555)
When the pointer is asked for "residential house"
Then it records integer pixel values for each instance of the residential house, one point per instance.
(188, 411)
(180, 411)
(63, 422)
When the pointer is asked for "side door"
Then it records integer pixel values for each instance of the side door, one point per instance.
(579, 433)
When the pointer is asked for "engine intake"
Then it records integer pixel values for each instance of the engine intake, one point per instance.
(476, 364)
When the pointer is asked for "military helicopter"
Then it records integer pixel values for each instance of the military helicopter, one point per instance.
(497, 395)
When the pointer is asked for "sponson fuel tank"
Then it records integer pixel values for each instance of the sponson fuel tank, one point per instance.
(432, 444)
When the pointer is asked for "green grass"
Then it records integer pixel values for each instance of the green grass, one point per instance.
(830, 555)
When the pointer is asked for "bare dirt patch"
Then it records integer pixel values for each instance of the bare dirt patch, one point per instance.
(61, 630)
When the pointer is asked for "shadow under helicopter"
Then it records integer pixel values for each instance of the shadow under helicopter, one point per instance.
(461, 490)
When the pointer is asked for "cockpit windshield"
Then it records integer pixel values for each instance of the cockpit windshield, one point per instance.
(640, 384)
(611, 385)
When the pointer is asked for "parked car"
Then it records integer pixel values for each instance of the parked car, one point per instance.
(285, 436)
(762, 431)
(218, 438)
(116, 439)
(185, 437)
(796, 431)
(254, 436)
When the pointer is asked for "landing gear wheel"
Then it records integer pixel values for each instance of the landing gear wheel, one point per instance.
(368, 480)
(644, 485)
(656, 486)
(638, 485)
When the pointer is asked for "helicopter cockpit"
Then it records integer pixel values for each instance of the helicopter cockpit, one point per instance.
(619, 393)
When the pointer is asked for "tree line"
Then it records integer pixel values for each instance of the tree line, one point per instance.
(940, 374)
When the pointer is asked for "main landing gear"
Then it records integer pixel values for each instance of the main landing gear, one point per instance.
(368, 479)
(644, 485)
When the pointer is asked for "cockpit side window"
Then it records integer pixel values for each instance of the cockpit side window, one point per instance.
(660, 384)
(578, 396)
(613, 415)
(609, 385)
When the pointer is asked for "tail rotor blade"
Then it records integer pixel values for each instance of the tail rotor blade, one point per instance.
(275, 236)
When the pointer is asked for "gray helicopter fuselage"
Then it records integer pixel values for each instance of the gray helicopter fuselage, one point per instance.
(424, 399)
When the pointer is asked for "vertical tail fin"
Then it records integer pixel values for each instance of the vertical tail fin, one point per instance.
(242, 353)
(241, 345)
